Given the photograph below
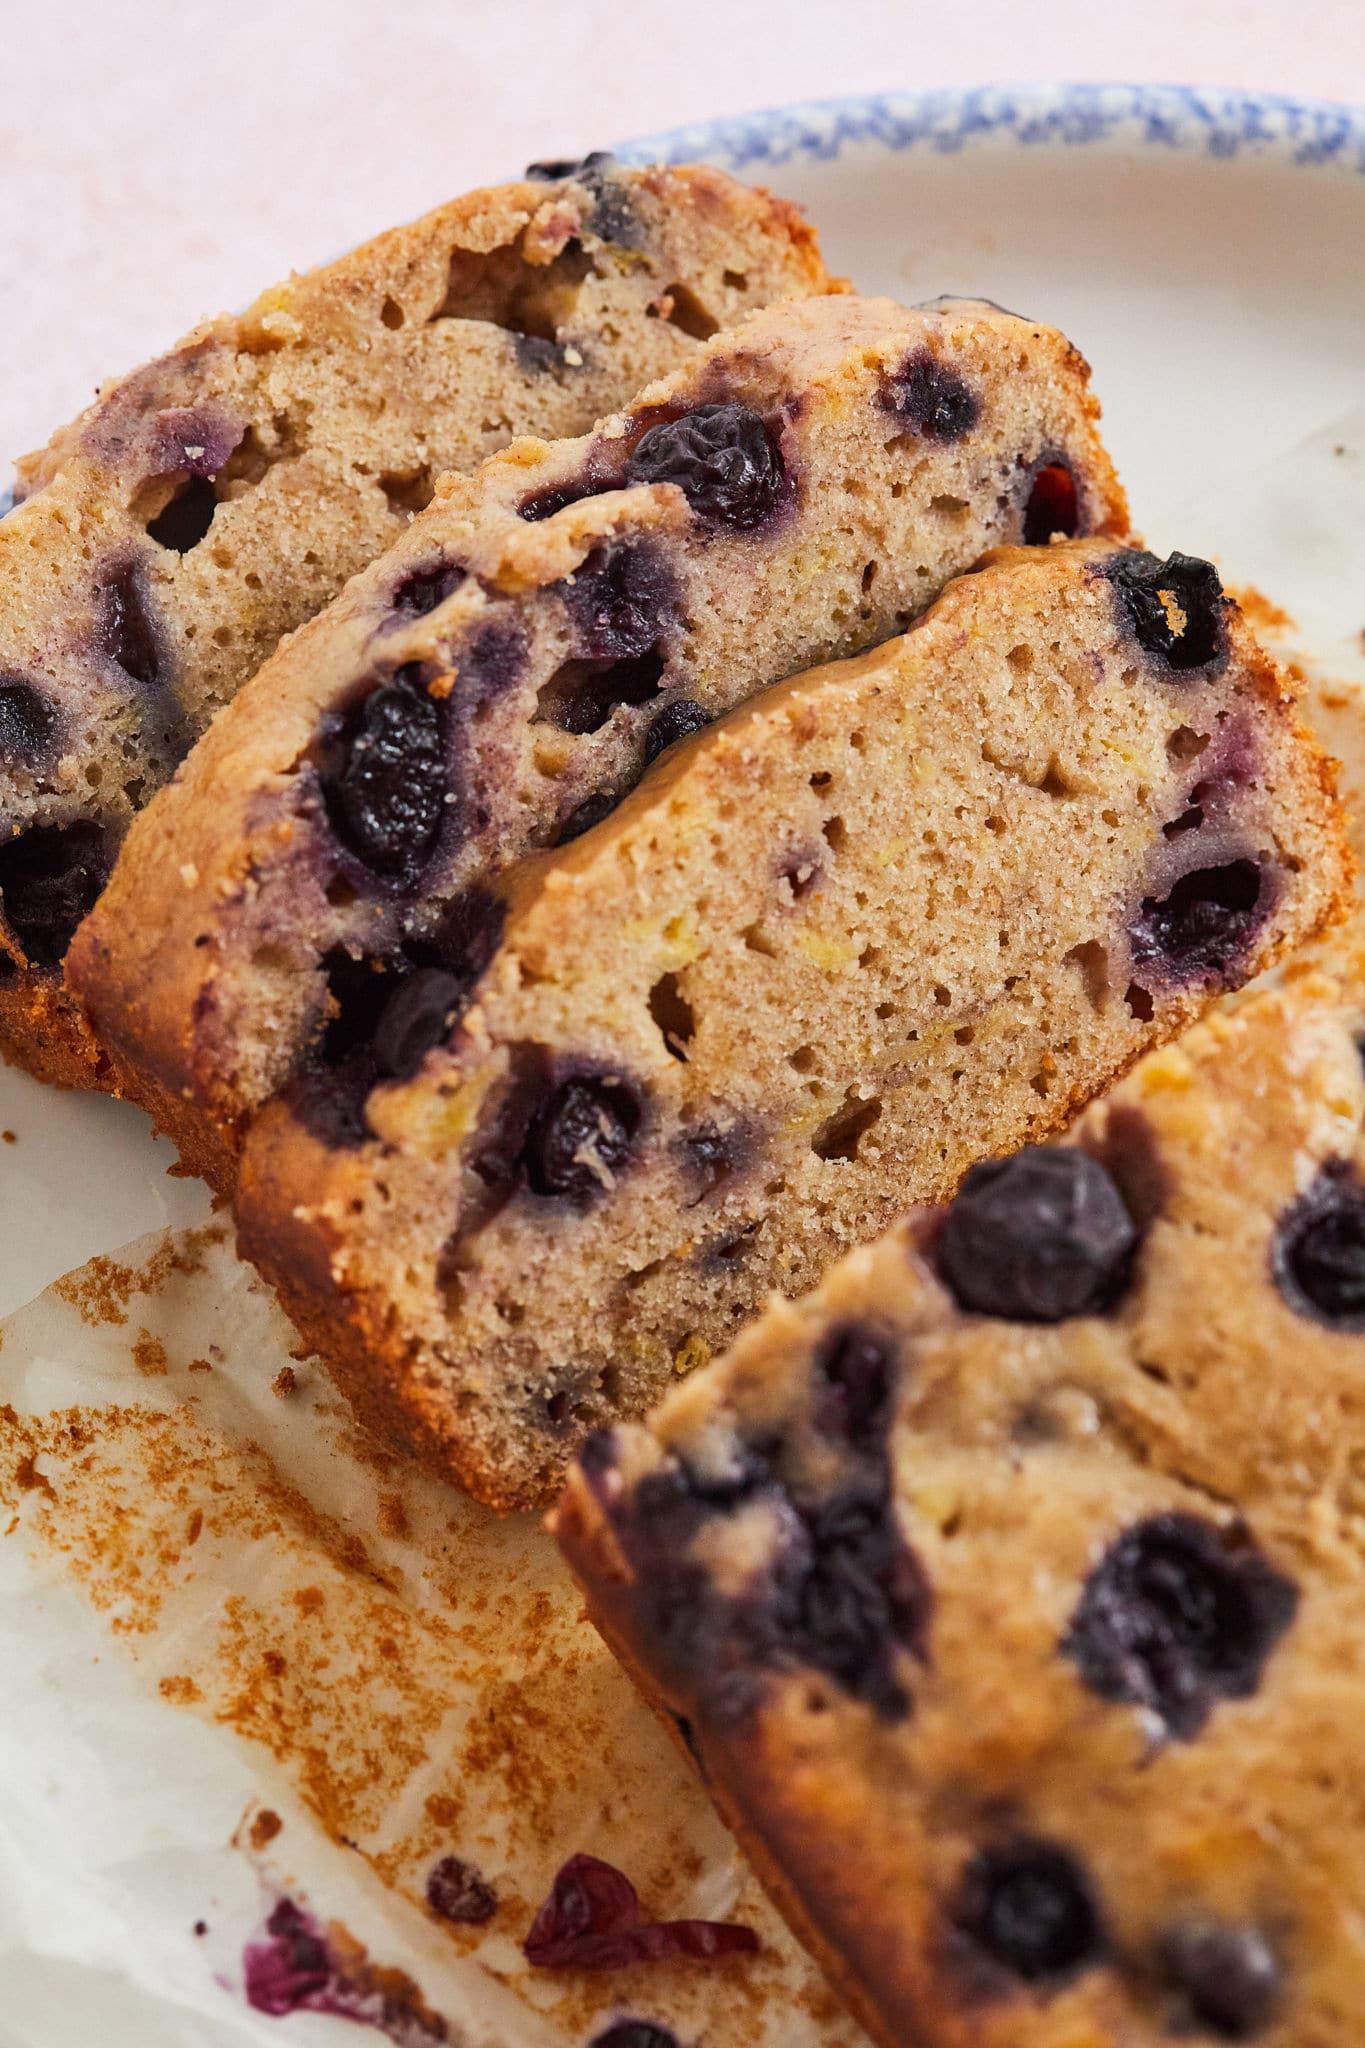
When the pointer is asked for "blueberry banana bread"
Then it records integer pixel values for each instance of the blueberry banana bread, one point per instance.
(218, 497)
(888, 918)
(1009, 1590)
(799, 489)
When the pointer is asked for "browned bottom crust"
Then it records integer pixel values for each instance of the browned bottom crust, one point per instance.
(589, 1547)
(43, 1030)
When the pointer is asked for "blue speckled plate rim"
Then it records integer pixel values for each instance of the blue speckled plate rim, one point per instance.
(1196, 120)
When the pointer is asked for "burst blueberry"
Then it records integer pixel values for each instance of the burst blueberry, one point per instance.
(50, 877)
(581, 1138)
(28, 720)
(932, 398)
(1179, 1614)
(384, 776)
(721, 457)
(1173, 608)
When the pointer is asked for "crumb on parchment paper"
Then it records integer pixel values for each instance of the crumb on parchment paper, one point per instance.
(418, 1671)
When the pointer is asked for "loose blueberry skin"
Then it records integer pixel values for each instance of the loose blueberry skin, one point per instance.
(1230, 1978)
(1148, 591)
(1028, 1906)
(384, 778)
(722, 458)
(1318, 1257)
(1177, 1616)
(1201, 931)
(457, 1891)
(1037, 1238)
(28, 721)
(930, 397)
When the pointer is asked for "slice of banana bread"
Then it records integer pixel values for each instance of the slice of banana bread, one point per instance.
(218, 497)
(889, 918)
(1010, 1590)
(799, 489)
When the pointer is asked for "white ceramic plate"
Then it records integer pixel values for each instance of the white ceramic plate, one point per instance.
(1204, 250)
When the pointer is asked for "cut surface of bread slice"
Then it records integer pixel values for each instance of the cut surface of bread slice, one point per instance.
(801, 488)
(218, 497)
(1009, 1590)
(891, 917)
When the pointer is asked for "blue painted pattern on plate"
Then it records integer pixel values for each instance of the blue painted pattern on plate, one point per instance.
(1186, 118)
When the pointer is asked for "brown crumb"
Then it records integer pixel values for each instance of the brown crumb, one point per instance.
(393, 1516)
(29, 1478)
(199, 1365)
(180, 1690)
(149, 1356)
(1261, 610)
(285, 1382)
(10, 1137)
(264, 1827)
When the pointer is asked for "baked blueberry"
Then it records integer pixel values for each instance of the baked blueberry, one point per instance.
(1230, 1977)
(544, 504)
(858, 1597)
(854, 1378)
(1319, 1255)
(1053, 504)
(622, 600)
(28, 719)
(677, 721)
(422, 590)
(1201, 928)
(129, 634)
(721, 457)
(634, 2034)
(580, 1139)
(931, 397)
(1174, 608)
(417, 1016)
(1179, 1614)
(1038, 1237)
(584, 816)
(49, 878)
(384, 776)
(1029, 1907)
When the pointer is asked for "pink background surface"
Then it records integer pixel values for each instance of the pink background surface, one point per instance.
(164, 158)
